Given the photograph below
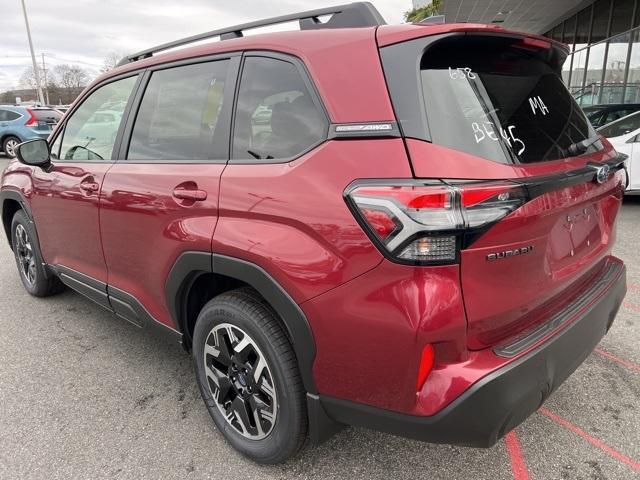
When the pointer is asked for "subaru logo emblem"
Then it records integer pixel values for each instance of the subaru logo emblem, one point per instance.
(602, 172)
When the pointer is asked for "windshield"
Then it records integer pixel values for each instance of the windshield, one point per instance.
(499, 98)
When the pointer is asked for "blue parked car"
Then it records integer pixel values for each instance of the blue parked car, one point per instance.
(19, 124)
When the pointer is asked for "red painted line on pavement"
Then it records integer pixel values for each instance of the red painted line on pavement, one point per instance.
(592, 440)
(518, 467)
(631, 306)
(613, 358)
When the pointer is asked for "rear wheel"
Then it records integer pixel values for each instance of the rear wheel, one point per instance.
(248, 377)
(29, 259)
(9, 146)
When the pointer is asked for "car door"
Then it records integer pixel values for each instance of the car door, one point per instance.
(65, 200)
(633, 162)
(161, 198)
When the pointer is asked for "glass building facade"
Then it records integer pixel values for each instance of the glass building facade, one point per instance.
(604, 65)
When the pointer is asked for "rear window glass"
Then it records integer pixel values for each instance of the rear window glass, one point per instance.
(276, 117)
(47, 115)
(621, 127)
(500, 99)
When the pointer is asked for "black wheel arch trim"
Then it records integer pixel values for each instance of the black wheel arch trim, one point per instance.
(18, 197)
(15, 195)
(190, 265)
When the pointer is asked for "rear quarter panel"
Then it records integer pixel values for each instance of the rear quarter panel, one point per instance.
(292, 220)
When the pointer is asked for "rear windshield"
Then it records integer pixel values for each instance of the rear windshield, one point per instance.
(47, 115)
(501, 99)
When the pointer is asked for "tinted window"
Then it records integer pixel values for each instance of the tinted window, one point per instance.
(84, 139)
(179, 113)
(622, 16)
(595, 118)
(493, 98)
(276, 116)
(600, 27)
(8, 115)
(621, 127)
(615, 115)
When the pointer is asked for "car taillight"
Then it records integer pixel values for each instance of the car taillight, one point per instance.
(33, 121)
(427, 223)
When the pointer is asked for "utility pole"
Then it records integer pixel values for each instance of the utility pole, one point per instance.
(33, 55)
(46, 84)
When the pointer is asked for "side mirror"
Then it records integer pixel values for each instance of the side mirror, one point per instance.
(34, 153)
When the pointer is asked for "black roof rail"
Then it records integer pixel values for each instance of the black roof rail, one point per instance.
(357, 14)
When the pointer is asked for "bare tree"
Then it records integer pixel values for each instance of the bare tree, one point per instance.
(111, 61)
(70, 77)
(28, 78)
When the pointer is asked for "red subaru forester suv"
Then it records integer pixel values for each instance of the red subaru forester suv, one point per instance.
(407, 228)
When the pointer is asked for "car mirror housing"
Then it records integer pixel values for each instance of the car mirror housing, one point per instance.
(34, 153)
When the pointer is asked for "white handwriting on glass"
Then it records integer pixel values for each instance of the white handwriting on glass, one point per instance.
(461, 73)
(485, 130)
(536, 103)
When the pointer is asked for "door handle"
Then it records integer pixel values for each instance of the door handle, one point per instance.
(90, 187)
(191, 195)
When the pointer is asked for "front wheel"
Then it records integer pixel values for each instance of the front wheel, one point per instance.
(248, 377)
(29, 260)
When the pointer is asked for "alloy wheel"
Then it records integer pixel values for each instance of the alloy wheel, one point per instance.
(10, 147)
(240, 381)
(26, 257)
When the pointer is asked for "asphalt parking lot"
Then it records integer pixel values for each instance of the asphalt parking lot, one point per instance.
(85, 395)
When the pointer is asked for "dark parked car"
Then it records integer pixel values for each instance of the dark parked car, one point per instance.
(395, 244)
(600, 115)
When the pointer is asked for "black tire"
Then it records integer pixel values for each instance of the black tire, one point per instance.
(246, 310)
(29, 259)
(9, 144)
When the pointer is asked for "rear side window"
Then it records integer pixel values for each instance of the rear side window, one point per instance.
(621, 127)
(179, 113)
(8, 116)
(276, 116)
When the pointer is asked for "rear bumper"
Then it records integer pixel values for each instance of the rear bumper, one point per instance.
(506, 397)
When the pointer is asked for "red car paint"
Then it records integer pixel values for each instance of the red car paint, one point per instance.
(370, 317)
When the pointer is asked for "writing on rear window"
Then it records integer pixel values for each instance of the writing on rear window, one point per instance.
(488, 97)
(460, 73)
(537, 105)
(486, 130)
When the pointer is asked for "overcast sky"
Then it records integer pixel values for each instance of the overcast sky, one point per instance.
(83, 32)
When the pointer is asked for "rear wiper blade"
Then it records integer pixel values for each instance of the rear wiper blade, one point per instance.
(579, 148)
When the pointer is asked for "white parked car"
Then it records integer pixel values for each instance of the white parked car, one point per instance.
(624, 135)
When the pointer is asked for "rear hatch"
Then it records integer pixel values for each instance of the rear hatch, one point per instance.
(490, 108)
(44, 119)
